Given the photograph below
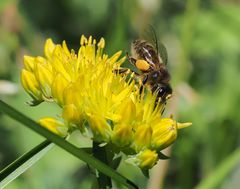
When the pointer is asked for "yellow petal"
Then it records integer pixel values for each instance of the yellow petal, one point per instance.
(54, 126)
(142, 137)
(101, 43)
(65, 48)
(183, 125)
(30, 84)
(71, 114)
(44, 77)
(122, 134)
(90, 40)
(115, 57)
(101, 129)
(127, 110)
(71, 95)
(49, 48)
(83, 40)
(29, 63)
(58, 86)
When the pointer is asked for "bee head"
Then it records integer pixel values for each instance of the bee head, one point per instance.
(154, 76)
(163, 91)
(160, 76)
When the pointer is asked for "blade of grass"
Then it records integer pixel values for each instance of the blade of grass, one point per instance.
(79, 153)
(220, 174)
(24, 162)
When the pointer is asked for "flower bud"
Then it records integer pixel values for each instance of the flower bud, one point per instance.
(54, 126)
(122, 134)
(127, 110)
(101, 129)
(44, 77)
(31, 85)
(71, 114)
(164, 133)
(145, 159)
(142, 137)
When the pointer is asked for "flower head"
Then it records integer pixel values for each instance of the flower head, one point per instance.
(85, 85)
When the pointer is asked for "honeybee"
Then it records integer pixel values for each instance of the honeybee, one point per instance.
(146, 57)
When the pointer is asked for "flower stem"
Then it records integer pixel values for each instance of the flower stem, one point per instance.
(100, 153)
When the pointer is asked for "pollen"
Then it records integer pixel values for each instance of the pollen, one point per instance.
(142, 65)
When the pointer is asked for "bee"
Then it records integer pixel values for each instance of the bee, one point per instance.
(145, 56)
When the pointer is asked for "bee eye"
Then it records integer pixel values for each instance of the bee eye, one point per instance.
(164, 91)
(155, 75)
(161, 91)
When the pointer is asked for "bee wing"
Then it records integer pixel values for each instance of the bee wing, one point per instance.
(163, 53)
(151, 36)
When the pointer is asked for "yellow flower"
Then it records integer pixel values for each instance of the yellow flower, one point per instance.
(85, 85)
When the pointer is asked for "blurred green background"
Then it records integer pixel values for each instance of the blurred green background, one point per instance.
(203, 43)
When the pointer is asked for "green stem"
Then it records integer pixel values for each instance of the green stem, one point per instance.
(77, 152)
(100, 153)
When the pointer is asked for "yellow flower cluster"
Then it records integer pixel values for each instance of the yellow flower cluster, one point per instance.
(93, 97)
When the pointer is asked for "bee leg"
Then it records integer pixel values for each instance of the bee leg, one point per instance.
(144, 81)
(131, 59)
(125, 71)
(121, 70)
(162, 111)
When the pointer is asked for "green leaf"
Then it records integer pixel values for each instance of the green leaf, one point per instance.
(77, 152)
(34, 102)
(24, 162)
(145, 172)
(116, 162)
